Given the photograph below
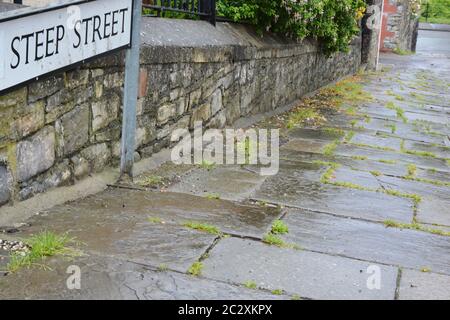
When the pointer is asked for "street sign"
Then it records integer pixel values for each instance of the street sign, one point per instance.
(36, 42)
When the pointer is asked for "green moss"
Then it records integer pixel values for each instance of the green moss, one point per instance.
(207, 165)
(279, 227)
(155, 220)
(251, 285)
(196, 269)
(150, 181)
(400, 112)
(213, 196)
(349, 136)
(364, 145)
(412, 170)
(415, 197)
(202, 227)
(387, 161)
(402, 52)
(376, 173)
(361, 158)
(162, 268)
(278, 292)
(330, 148)
(414, 226)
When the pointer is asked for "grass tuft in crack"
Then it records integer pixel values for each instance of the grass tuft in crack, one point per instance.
(203, 227)
(279, 227)
(414, 226)
(250, 285)
(45, 244)
(196, 269)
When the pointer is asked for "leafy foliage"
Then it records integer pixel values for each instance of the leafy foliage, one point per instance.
(333, 23)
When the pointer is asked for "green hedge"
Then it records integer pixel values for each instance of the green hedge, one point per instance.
(437, 11)
(333, 22)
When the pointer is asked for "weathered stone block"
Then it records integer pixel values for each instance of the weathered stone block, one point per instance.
(57, 176)
(32, 121)
(113, 80)
(13, 99)
(45, 88)
(5, 184)
(216, 101)
(75, 129)
(36, 154)
(104, 111)
(202, 113)
(97, 155)
(76, 78)
(165, 112)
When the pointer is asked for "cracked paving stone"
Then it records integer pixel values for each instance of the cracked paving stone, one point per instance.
(435, 205)
(416, 285)
(113, 279)
(368, 241)
(232, 183)
(298, 185)
(308, 274)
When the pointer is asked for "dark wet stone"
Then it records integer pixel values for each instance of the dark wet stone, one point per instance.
(360, 178)
(435, 205)
(415, 187)
(402, 130)
(315, 134)
(113, 279)
(368, 241)
(377, 141)
(415, 285)
(117, 221)
(299, 185)
(307, 274)
(379, 110)
(304, 145)
(375, 154)
(439, 151)
(436, 118)
(229, 182)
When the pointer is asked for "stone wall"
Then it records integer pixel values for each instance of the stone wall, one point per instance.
(400, 26)
(58, 130)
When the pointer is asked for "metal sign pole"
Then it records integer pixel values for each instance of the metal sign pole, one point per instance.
(379, 35)
(130, 95)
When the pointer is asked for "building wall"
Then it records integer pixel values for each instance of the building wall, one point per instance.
(400, 26)
(58, 130)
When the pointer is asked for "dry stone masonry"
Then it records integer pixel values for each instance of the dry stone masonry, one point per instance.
(60, 129)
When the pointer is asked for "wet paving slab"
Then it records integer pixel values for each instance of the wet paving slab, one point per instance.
(375, 154)
(360, 178)
(377, 141)
(121, 223)
(434, 208)
(113, 279)
(368, 241)
(298, 185)
(439, 151)
(308, 274)
(122, 209)
(416, 285)
(228, 182)
(402, 130)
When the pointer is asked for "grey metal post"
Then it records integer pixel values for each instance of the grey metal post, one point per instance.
(130, 94)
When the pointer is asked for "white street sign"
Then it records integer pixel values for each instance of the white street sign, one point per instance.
(41, 42)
